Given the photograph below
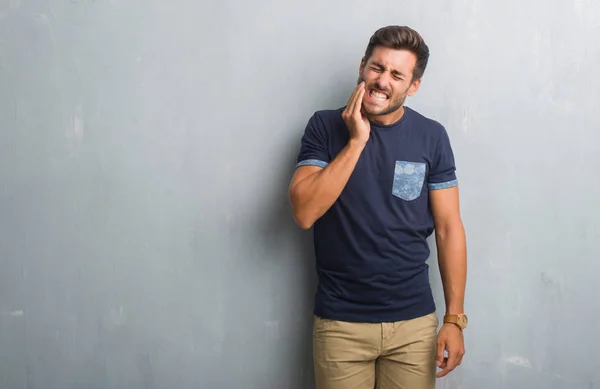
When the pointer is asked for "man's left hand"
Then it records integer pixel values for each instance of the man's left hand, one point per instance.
(450, 339)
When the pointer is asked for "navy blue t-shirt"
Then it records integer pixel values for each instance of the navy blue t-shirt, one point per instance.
(370, 246)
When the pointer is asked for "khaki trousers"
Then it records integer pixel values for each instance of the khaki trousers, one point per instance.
(399, 355)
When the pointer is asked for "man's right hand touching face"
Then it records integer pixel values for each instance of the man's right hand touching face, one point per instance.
(314, 189)
(354, 117)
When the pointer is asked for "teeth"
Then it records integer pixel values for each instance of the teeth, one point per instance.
(378, 96)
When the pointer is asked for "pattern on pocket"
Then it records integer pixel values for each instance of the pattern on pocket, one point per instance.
(408, 179)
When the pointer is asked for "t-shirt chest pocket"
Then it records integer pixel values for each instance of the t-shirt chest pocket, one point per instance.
(409, 178)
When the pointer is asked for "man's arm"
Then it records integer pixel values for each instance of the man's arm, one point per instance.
(451, 247)
(452, 259)
(313, 189)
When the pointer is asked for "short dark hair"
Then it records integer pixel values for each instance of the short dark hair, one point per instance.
(401, 38)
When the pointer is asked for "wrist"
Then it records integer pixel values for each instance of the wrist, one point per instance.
(452, 327)
(357, 144)
(460, 320)
(455, 309)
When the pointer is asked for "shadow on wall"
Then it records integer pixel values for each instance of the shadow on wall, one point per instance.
(292, 247)
(292, 250)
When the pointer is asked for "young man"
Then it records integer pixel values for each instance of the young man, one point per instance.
(375, 179)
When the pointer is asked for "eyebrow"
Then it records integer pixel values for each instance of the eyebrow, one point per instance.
(396, 72)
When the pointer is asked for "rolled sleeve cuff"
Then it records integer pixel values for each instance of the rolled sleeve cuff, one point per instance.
(312, 162)
(442, 185)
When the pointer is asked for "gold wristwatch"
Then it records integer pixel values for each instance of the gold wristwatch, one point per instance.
(459, 320)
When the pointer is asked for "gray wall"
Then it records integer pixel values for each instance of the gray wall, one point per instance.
(145, 151)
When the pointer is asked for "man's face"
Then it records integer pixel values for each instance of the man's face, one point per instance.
(388, 80)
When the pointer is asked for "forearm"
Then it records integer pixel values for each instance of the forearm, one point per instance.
(452, 259)
(315, 194)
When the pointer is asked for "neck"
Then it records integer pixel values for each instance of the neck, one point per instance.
(390, 118)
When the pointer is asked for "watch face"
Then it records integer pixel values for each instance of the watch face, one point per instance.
(463, 321)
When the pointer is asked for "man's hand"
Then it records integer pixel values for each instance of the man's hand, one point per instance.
(450, 339)
(357, 123)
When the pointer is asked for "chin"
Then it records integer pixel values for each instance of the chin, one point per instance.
(375, 111)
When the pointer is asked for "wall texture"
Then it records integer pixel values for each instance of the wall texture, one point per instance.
(145, 152)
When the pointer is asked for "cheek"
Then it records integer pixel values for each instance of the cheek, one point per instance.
(398, 89)
(369, 76)
(403, 88)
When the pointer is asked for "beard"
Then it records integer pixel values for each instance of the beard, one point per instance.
(395, 102)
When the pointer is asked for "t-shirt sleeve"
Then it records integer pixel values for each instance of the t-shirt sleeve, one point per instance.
(442, 174)
(313, 149)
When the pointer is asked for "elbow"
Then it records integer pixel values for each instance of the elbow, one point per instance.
(301, 213)
(305, 226)
(303, 221)
(302, 216)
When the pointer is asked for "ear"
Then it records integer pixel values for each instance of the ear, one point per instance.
(414, 87)
(362, 65)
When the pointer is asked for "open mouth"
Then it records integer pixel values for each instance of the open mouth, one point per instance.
(377, 95)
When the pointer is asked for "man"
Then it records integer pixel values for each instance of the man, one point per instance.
(375, 179)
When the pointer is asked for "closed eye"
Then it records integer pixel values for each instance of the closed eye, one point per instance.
(379, 68)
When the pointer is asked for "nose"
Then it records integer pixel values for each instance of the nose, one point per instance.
(383, 81)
